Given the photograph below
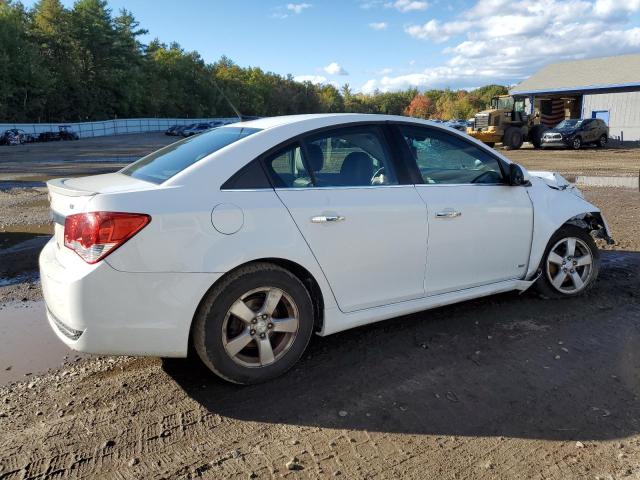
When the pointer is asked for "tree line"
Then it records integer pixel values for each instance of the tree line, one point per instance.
(87, 63)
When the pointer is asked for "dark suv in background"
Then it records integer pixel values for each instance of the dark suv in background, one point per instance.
(574, 133)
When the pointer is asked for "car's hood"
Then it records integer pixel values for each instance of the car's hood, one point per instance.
(556, 181)
(565, 131)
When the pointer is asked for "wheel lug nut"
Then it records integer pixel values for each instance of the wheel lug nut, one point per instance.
(262, 335)
(254, 320)
(270, 325)
(575, 263)
(252, 332)
(265, 316)
(573, 271)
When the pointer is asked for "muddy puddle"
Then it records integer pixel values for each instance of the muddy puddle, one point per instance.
(28, 346)
(28, 230)
(13, 242)
(11, 184)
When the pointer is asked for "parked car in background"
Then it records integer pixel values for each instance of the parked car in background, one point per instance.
(457, 124)
(195, 129)
(574, 133)
(64, 132)
(181, 128)
(172, 130)
(243, 241)
(16, 136)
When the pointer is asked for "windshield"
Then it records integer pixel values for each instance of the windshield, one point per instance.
(503, 103)
(569, 123)
(163, 164)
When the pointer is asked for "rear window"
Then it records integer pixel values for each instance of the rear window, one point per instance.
(163, 164)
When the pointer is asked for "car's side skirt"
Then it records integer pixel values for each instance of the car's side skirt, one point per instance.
(336, 321)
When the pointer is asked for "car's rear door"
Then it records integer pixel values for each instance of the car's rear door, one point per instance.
(480, 228)
(366, 228)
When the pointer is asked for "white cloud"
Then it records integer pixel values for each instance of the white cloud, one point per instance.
(405, 6)
(505, 41)
(297, 8)
(436, 31)
(316, 79)
(379, 25)
(385, 71)
(335, 69)
(369, 4)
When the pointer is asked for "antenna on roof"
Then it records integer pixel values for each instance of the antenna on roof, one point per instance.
(233, 107)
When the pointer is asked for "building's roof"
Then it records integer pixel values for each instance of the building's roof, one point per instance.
(594, 74)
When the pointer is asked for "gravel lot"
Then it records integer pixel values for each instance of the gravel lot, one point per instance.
(511, 386)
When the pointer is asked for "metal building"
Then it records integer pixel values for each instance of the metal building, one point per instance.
(607, 88)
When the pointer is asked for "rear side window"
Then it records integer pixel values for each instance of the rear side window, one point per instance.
(343, 157)
(163, 164)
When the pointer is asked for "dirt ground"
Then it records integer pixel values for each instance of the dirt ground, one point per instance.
(511, 386)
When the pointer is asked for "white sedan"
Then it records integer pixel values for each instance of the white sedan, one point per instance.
(245, 240)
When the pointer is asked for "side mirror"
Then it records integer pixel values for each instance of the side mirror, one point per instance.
(518, 175)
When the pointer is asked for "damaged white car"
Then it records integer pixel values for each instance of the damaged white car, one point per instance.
(243, 241)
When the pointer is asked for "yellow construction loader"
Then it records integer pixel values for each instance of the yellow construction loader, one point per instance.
(508, 123)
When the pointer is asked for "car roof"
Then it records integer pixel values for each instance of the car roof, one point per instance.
(327, 119)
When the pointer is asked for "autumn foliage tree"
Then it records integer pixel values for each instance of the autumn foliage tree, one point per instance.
(421, 106)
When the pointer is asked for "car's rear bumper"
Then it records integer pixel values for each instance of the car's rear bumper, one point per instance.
(97, 309)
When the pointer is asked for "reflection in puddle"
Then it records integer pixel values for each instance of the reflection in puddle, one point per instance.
(11, 184)
(27, 343)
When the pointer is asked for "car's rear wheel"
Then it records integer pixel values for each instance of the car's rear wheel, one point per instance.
(254, 325)
(602, 141)
(570, 264)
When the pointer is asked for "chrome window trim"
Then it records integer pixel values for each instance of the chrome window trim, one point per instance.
(278, 189)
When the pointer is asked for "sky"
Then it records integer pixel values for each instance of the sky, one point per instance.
(394, 44)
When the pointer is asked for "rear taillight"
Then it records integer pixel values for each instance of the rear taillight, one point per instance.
(95, 235)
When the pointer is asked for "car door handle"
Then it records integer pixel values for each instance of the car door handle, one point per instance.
(448, 214)
(327, 218)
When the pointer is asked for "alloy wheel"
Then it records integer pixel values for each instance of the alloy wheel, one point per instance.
(569, 265)
(260, 327)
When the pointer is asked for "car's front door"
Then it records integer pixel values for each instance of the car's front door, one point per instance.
(367, 231)
(480, 228)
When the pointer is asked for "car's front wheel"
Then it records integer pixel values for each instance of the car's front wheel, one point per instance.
(570, 264)
(576, 143)
(254, 325)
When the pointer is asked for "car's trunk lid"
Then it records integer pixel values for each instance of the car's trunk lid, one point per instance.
(68, 196)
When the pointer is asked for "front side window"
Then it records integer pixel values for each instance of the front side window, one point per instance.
(163, 164)
(443, 158)
(343, 157)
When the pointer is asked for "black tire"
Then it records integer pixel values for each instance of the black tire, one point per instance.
(513, 138)
(576, 143)
(535, 135)
(213, 312)
(544, 284)
(602, 141)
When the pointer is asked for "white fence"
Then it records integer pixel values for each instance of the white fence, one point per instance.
(111, 127)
